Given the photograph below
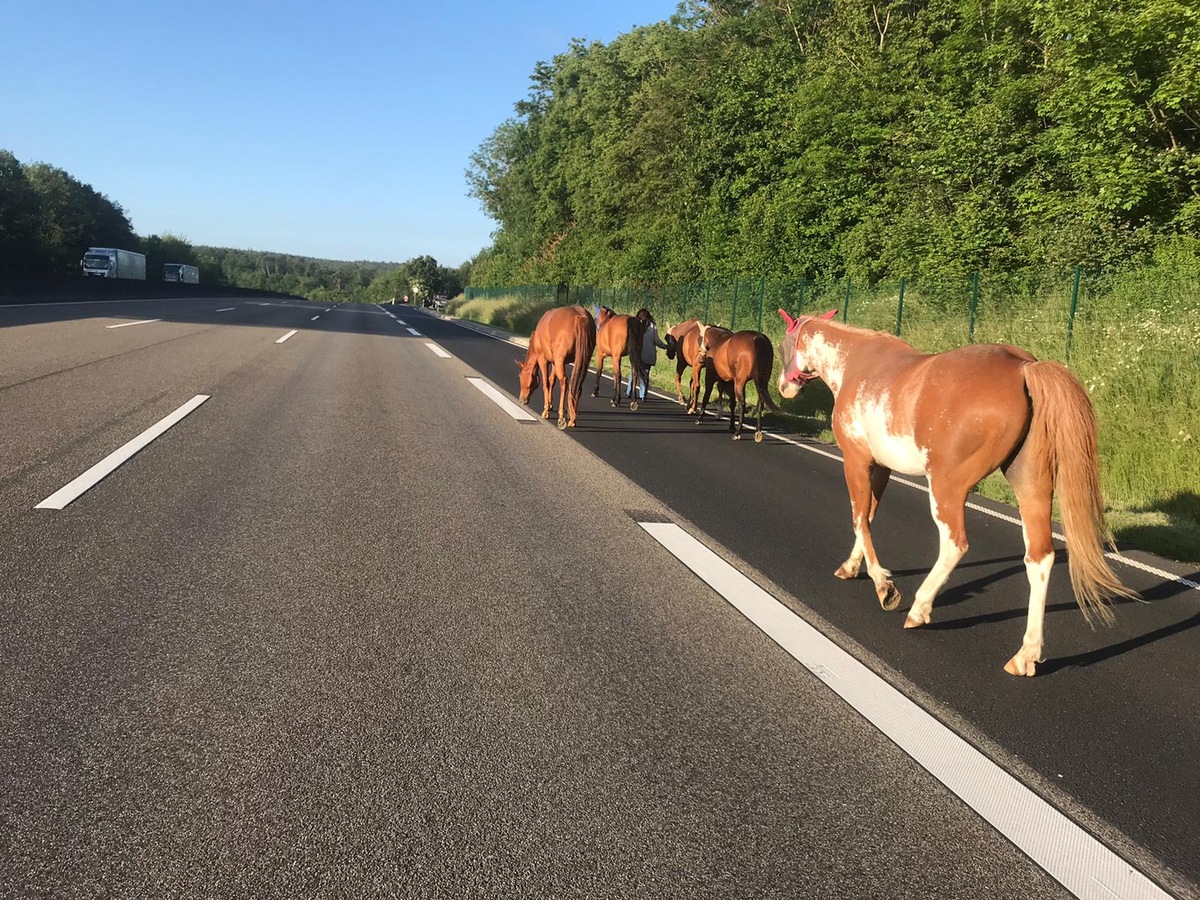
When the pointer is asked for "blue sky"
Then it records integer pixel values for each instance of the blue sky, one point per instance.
(336, 130)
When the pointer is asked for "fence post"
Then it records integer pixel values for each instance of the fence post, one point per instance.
(974, 306)
(1074, 307)
(733, 317)
(900, 308)
(707, 299)
(846, 305)
(762, 298)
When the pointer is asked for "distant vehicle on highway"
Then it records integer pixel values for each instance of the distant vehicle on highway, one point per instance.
(180, 272)
(111, 262)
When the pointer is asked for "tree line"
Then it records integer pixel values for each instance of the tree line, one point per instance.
(48, 219)
(863, 138)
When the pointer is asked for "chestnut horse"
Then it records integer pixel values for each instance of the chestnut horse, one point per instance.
(955, 417)
(618, 336)
(683, 344)
(563, 335)
(739, 358)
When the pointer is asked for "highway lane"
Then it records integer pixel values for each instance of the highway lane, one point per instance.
(65, 392)
(1106, 726)
(351, 630)
(327, 625)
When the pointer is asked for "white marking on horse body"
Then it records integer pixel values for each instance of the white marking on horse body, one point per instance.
(869, 421)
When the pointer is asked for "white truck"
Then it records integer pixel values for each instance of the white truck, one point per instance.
(180, 272)
(109, 262)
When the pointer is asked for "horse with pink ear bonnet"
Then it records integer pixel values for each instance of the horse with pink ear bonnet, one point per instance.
(956, 417)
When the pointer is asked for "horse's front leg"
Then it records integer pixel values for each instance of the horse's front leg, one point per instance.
(616, 400)
(560, 366)
(947, 502)
(547, 373)
(859, 471)
(679, 367)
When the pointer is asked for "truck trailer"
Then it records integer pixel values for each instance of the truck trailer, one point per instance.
(180, 272)
(109, 262)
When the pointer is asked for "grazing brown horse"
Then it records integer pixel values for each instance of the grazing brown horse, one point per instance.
(618, 336)
(955, 417)
(738, 358)
(566, 334)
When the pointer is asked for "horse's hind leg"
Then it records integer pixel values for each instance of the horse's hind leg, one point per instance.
(1033, 485)
(865, 483)
(737, 410)
(599, 371)
(948, 505)
(616, 400)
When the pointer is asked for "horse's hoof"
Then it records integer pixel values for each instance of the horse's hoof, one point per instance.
(890, 598)
(758, 437)
(1017, 666)
(562, 424)
(737, 437)
(633, 406)
(912, 621)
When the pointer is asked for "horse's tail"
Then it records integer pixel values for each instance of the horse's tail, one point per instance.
(764, 362)
(1065, 423)
(585, 344)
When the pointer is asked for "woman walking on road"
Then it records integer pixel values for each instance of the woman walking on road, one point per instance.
(650, 345)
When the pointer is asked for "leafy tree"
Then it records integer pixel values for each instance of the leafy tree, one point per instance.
(19, 218)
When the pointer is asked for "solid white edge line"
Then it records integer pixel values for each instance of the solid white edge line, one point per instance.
(127, 324)
(501, 400)
(414, 332)
(286, 336)
(438, 350)
(1083, 865)
(75, 488)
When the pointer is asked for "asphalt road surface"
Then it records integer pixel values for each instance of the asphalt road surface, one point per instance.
(349, 629)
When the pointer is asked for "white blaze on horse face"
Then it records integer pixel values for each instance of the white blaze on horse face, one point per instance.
(824, 357)
(869, 421)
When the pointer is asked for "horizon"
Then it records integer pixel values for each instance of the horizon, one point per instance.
(243, 138)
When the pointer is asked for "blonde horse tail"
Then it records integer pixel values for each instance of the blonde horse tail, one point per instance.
(1064, 422)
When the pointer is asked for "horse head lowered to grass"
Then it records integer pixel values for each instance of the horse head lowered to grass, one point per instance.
(956, 417)
(565, 334)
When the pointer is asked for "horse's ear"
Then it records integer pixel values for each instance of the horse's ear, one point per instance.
(830, 314)
(787, 318)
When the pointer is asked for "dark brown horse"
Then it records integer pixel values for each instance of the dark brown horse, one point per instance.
(955, 417)
(566, 334)
(618, 335)
(738, 358)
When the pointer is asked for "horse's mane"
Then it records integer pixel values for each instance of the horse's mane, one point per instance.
(858, 331)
